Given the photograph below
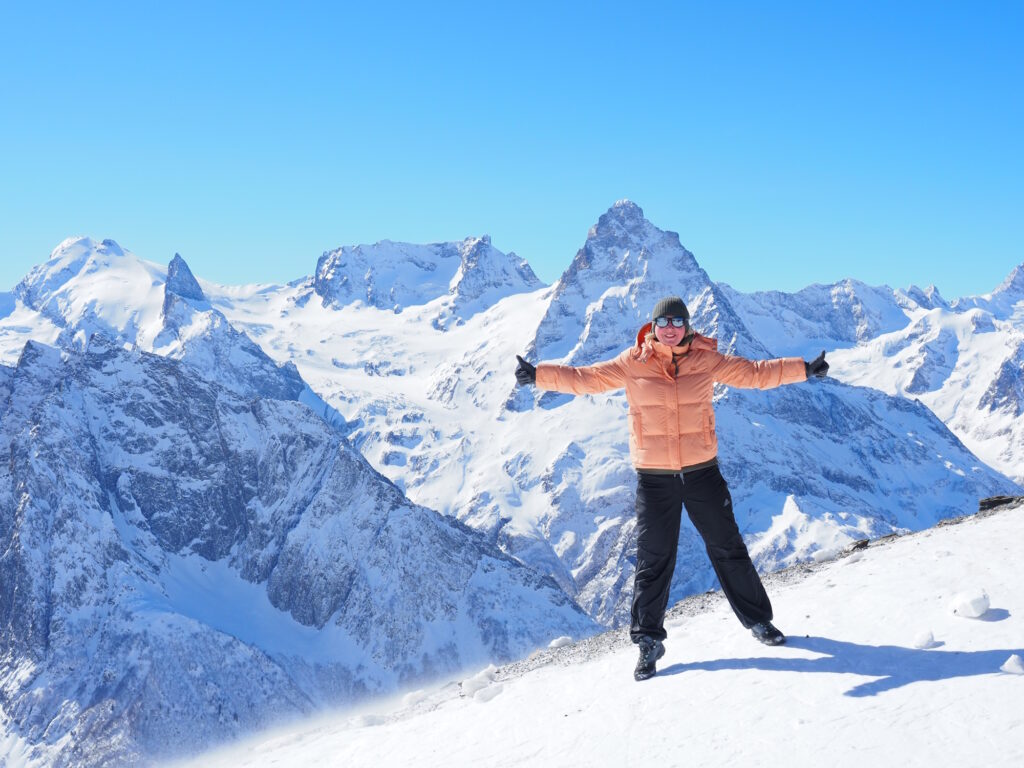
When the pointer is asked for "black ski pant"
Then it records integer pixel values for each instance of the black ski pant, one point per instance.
(659, 502)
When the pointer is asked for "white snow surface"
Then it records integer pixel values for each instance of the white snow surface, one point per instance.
(850, 688)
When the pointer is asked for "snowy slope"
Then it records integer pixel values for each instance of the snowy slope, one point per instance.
(548, 477)
(879, 670)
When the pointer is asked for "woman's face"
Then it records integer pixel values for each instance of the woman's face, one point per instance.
(669, 334)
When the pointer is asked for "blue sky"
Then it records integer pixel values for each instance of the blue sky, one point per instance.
(787, 143)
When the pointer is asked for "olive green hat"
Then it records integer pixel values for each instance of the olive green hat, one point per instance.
(670, 306)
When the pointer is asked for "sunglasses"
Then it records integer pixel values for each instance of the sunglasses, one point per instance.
(677, 322)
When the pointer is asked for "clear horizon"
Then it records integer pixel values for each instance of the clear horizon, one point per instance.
(787, 145)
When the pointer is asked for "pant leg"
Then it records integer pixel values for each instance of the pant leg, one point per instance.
(709, 506)
(658, 511)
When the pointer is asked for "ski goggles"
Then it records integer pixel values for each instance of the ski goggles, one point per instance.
(677, 322)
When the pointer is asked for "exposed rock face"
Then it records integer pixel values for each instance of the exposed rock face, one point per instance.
(181, 281)
(1006, 392)
(181, 564)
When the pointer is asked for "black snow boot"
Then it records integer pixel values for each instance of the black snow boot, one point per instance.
(766, 632)
(650, 651)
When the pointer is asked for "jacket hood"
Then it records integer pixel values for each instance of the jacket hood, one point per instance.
(644, 348)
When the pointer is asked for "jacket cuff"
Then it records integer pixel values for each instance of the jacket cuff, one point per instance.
(545, 376)
(794, 369)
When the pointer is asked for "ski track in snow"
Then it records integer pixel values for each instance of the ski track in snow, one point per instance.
(850, 688)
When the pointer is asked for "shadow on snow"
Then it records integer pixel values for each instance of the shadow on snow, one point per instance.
(891, 665)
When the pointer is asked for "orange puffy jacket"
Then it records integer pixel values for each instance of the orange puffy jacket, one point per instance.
(669, 391)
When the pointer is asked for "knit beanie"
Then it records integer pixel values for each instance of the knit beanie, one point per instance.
(670, 306)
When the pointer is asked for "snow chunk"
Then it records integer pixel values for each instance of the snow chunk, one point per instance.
(488, 693)
(413, 698)
(971, 604)
(824, 554)
(1014, 665)
(560, 642)
(473, 685)
(368, 721)
(924, 640)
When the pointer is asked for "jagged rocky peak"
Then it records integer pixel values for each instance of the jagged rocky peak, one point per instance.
(613, 283)
(35, 353)
(181, 288)
(624, 225)
(484, 267)
(1013, 285)
(390, 275)
(624, 245)
(927, 298)
(181, 281)
(625, 215)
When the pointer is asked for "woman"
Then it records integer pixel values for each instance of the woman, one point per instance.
(669, 376)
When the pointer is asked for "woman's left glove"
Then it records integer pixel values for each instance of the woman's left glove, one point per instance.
(817, 367)
(525, 373)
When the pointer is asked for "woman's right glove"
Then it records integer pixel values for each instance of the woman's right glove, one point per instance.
(525, 373)
(817, 367)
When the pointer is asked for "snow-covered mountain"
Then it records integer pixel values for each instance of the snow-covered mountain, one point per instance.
(88, 288)
(182, 563)
(405, 353)
(826, 316)
(548, 477)
(882, 668)
(965, 361)
(469, 275)
(623, 268)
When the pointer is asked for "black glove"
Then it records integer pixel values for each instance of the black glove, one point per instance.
(525, 373)
(817, 367)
